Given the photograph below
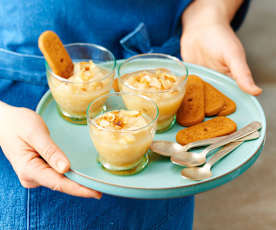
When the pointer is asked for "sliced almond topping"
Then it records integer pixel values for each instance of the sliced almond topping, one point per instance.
(92, 64)
(134, 113)
(85, 75)
(103, 123)
(169, 77)
(97, 85)
(120, 119)
(111, 117)
(152, 79)
(145, 79)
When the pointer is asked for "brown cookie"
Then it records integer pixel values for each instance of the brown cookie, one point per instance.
(55, 54)
(228, 108)
(218, 126)
(214, 100)
(191, 111)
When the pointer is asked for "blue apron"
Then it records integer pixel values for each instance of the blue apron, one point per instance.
(126, 28)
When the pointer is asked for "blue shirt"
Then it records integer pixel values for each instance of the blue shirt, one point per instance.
(126, 27)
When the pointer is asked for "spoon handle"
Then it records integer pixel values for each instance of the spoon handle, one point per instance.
(223, 152)
(251, 128)
(202, 143)
(216, 139)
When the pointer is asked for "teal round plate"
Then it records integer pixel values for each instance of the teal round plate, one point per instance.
(160, 179)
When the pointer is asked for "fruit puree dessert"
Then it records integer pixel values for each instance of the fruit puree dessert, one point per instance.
(166, 89)
(74, 94)
(121, 137)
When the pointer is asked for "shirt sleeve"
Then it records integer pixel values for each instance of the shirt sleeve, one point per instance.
(240, 15)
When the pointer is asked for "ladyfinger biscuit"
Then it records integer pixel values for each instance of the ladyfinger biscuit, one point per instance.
(218, 126)
(228, 108)
(191, 111)
(55, 54)
(214, 100)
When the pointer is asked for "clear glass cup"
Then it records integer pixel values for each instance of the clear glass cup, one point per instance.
(73, 97)
(168, 100)
(123, 151)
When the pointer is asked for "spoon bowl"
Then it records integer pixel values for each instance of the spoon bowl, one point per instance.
(197, 173)
(166, 148)
(188, 159)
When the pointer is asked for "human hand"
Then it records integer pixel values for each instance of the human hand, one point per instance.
(209, 40)
(37, 161)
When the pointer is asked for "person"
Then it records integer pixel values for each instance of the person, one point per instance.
(34, 192)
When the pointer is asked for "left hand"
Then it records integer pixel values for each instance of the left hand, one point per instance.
(36, 159)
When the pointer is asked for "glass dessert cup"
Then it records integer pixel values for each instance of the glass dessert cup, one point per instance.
(122, 135)
(94, 69)
(167, 88)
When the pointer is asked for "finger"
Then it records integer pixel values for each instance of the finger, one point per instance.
(49, 151)
(242, 74)
(47, 177)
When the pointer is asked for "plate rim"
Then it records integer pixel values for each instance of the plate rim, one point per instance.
(177, 187)
(174, 193)
(47, 97)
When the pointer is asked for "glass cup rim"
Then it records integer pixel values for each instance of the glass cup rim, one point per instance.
(89, 120)
(92, 80)
(152, 54)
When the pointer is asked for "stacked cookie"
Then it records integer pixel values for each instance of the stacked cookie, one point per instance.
(203, 100)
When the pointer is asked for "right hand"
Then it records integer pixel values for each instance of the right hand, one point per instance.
(36, 159)
(209, 40)
(217, 47)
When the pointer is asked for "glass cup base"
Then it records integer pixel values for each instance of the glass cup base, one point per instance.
(80, 120)
(161, 128)
(139, 166)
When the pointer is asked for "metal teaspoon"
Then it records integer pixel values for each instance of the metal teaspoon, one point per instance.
(204, 172)
(191, 159)
(169, 148)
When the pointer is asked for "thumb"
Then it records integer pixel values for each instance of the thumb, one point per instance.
(49, 151)
(241, 73)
